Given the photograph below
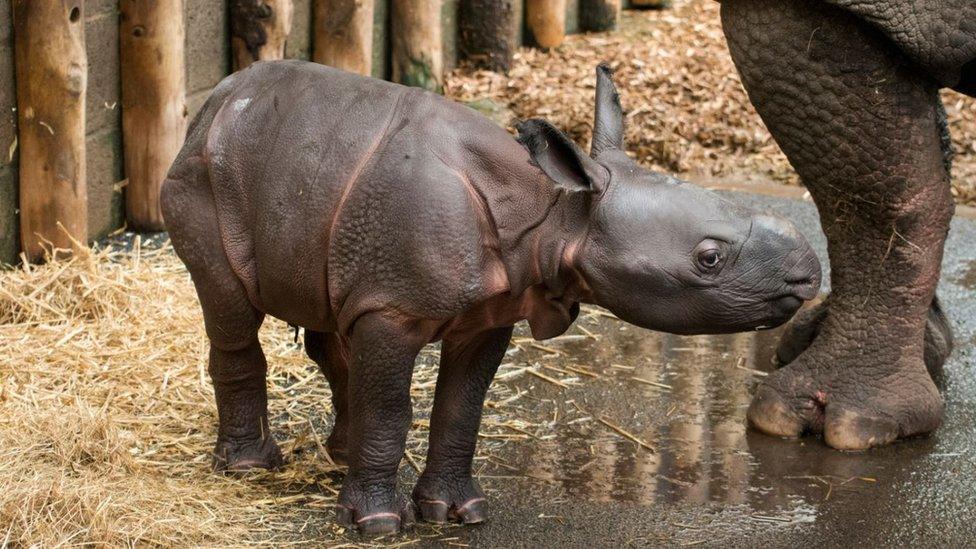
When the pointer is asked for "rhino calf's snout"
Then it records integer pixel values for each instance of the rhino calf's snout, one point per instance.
(802, 273)
(799, 273)
(805, 276)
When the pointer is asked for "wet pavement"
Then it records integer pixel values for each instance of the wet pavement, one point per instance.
(631, 437)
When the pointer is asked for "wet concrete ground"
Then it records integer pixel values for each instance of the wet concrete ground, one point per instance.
(576, 481)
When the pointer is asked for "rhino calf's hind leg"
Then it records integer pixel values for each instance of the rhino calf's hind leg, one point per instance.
(860, 125)
(244, 439)
(331, 353)
(446, 490)
(237, 364)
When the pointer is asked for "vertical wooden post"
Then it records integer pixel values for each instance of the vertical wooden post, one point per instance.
(599, 15)
(546, 20)
(418, 49)
(153, 102)
(489, 32)
(51, 73)
(259, 30)
(343, 35)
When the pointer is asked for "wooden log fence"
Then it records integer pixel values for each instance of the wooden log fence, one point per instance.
(151, 37)
(599, 15)
(418, 49)
(490, 42)
(52, 69)
(343, 35)
(654, 4)
(259, 30)
(160, 77)
(546, 20)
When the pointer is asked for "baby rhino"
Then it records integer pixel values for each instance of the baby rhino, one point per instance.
(381, 218)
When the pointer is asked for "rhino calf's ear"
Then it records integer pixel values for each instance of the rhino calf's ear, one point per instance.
(560, 159)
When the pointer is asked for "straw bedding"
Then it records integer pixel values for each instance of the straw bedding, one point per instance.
(687, 111)
(108, 413)
(109, 416)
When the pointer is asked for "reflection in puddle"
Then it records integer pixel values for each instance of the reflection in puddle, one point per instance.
(685, 396)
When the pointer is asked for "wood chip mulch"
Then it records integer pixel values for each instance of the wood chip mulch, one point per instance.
(687, 111)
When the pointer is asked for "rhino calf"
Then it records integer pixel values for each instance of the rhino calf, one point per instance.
(381, 218)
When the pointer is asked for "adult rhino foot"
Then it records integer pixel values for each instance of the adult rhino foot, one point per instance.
(854, 405)
(240, 456)
(440, 500)
(938, 341)
(805, 327)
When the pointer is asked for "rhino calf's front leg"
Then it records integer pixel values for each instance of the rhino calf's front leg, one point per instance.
(382, 354)
(446, 490)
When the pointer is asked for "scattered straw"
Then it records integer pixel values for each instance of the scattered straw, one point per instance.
(544, 377)
(655, 384)
(626, 434)
(740, 365)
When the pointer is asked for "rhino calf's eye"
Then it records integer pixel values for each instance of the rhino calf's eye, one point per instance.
(709, 259)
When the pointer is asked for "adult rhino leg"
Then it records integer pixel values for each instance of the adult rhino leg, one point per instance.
(938, 341)
(237, 364)
(860, 126)
(446, 489)
(800, 333)
(805, 327)
(331, 353)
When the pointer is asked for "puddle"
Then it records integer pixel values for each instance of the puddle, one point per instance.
(687, 398)
(711, 481)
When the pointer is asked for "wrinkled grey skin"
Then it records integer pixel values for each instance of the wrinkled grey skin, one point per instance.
(381, 218)
(850, 91)
(938, 35)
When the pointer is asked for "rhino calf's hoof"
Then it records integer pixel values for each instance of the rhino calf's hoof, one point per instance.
(378, 523)
(241, 457)
(440, 500)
